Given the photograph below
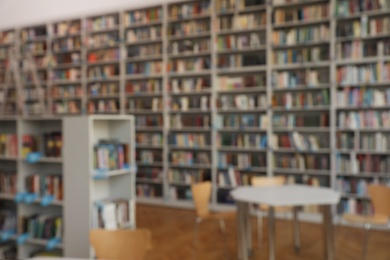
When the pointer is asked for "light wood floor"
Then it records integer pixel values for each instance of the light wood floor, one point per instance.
(172, 231)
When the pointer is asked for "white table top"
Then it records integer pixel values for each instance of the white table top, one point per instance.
(287, 195)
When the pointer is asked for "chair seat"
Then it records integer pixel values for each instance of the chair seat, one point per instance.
(375, 219)
(219, 215)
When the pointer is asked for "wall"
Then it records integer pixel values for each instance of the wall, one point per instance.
(15, 13)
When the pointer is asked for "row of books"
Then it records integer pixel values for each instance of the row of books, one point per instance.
(67, 28)
(148, 50)
(103, 55)
(103, 72)
(363, 28)
(363, 163)
(29, 34)
(41, 226)
(358, 49)
(110, 155)
(301, 120)
(8, 251)
(310, 54)
(149, 173)
(302, 162)
(299, 141)
(66, 74)
(364, 119)
(301, 35)
(242, 121)
(225, 5)
(67, 44)
(362, 97)
(304, 13)
(241, 160)
(110, 106)
(103, 40)
(143, 16)
(190, 158)
(154, 104)
(34, 109)
(45, 185)
(188, 103)
(8, 181)
(346, 140)
(111, 214)
(50, 144)
(180, 193)
(33, 94)
(7, 37)
(8, 221)
(189, 28)
(189, 85)
(179, 121)
(240, 140)
(149, 121)
(363, 74)
(66, 107)
(354, 206)
(149, 191)
(67, 58)
(35, 48)
(144, 86)
(302, 99)
(242, 60)
(374, 141)
(243, 41)
(191, 64)
(103, 89)
(144, 34)
(151, 67)
(292, 79)
(189, 140)
(153, 139)
(345, 8)
(184, 10)
(102, 22)
(190, 46)
(8, 145)
(242, 101)
(352, 186)
(242, 82)
(149, 156)
(186, 176)
(242, 21)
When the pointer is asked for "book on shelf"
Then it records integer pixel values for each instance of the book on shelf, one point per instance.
(152, 67)
(66, 107)
(110, 155)
(230, 178)
(179, 120)
(8, 145)
(46, 253)
(294, 56)
(108, 106)
(41, 226)
(8, 250)
(102, 22)
(301, 120)
(149, 121)
(45, 185)
(144, 86)
(346, 140)
(138, 104)
(242, 21)
(345, 8)
(111, 214)
(360, 162)
(190, 103)
(8, 220)
(67, 28)
(103, 72)
(35, 48)
(29, 34)
(241, 60)
(358, 49)
(240, 140)
(73, 58)
(149, 191)
(190, 158)
(191, 46)
(144, 34)
(146, 50)
(241, 82)
(7, 37)
(225, 5)
(242, 121)
(300, 141)
(103, 55)
(374, 141)
(301, 13)
(189, 140)
(363, 97)
(244, 41)
(306, 100)
(189, 85)
(107, 39)
(67, 44)
(188, 65)
(301, 35)
(50, 144)
(302, 162)
(242, 101)
(187, 176)
(103, 89)
(241, 160)
(364, 119)
(363, 74)
(352, 186)
(65, 74)
(189, 28)
(149, 156)
(364, 27)
(148, 173)
(143, 16)
(180, 193)
(354, 206)
(184, 10)
(299, 77)
(8, 182)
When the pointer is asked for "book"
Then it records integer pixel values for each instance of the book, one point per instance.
(150, 67)
(301, 13)
(103, 89)
(309, 54)
(8, 145)
(190, 46)
(149, 190)
(188, 176)
(33, 33)
(241, 60)
(103, 55)
(141, 51)
(149, 156)
(301, 120)
(301, 35)
(243, 82)
(110, 155)
(103, 40)
(244, 41)
(111, 214)
(102, 22)
(180, 120)
(190, 158)
(189, 64)
(107, 106)
(300, 141)
(302, 162)
(144, 34)
(41, 226)
(143, 16)
(149, 121)
(67, 28)
(242, 140)
(178, 11)
(103, 72)
(306, 99)
(300, 78)
(135, 87)
(241, 160)
(45, 185)
(189, 28)
(189, 139)
(346, 8)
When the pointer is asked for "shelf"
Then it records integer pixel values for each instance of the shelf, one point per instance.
(244, 50)
(189, 18)
(189, 55)
(189, 73)
(194, 93)
(240, 31)
(241, 129)
(200, 148)
(190, 129)
(356, 196)
(301, 109)
(66, 51)
(301, 23)
(302, 65)
(191, 36)
(366, 13)
(144, 112)
(35, 39)
(192, 166)
(144, 58)
(303, 172)
(260, 68)
(302, 88)
(253, 8)
(347, 129)
(143, 76)
(364, 174)
(183, 184)
(66, 82)
(109, 96)
(237, 110)
(351, 108)
(367, 84)
(146, 24)
(144, 94)
(142, 42)
(104, 62)
(104, 30)
(358, 151)
(56, 37)
(148, 180)
(7, 158)
(111, 78)
(4, 196)
(247, 169)
(153, 164)
(47, 160)
(65, 66)
(363, 60)
(362, 38)
(242, 90)
(298, 3)
(294, 150)
(301, 129)
(109, 46)
(300, 45)
(110, 173)
(149, 128)
(191, 111)
(41, 242)
(149, 146)
(242, 149)
(66, 98)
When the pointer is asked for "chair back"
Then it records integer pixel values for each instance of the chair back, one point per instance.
(201, 193)
(380, 197)
(121, 244)
(268, 181)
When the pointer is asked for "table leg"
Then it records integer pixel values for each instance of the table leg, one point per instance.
(248, 229)
(297, 242)
(271, 233)
(241, 231)
(328, 232)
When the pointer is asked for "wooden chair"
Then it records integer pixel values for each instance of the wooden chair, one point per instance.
(274, 181)
(380, 198)
(121, 244)
(201, 194)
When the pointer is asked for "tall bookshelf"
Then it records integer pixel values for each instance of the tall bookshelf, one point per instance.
(227, 88)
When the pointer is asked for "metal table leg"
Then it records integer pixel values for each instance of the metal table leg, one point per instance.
(248, 229)
(241, 231)
(328, 232)
(271, 232)
(297, 242)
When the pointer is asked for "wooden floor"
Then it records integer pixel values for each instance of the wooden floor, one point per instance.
(172, 232)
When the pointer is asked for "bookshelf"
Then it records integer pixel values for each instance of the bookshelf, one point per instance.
(224, 90)
(100, 173)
